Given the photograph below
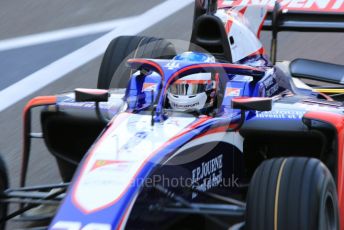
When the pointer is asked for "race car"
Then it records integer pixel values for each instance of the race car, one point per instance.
(218, 137)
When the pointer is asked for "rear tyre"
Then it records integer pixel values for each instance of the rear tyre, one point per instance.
(3, 187)
(114, 73)
(292, 193)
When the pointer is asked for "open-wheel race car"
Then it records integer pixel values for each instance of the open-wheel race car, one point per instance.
(219, 137)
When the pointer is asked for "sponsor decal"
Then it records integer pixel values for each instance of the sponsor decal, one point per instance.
(268, 87)
(66, 99)
(281, 114)
(232, 92)
(185, 106)
(134, 141)
(102, 163)
(269, 82)
(83, 105)
(172, 65)
(148, 87)
(208, 175)
(270, 92)
(304, 5)
(173, 121)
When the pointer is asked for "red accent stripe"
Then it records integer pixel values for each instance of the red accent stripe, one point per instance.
(217, 80)
(229, 25)
(221, 4)
(243, 10)
(35, 102)
(328, 98)
(213, 131)
(39, 101)
(337, 121)
(261, 51)
(221, 129)
(261, 26)
(181, 81)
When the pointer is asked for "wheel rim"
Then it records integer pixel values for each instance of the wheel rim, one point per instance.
(330, 213)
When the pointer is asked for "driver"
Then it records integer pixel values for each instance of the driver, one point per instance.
(193, 93)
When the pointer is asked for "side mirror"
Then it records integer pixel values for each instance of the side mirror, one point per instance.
(252, 103)
(91, 95)
(249, 103)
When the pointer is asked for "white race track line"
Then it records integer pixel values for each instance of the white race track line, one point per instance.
(74, 60)
(58, 35)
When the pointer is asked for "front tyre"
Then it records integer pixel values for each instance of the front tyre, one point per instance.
(113, 71)
(292, 193)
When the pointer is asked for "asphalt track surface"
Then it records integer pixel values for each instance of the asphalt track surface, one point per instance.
(20, 18)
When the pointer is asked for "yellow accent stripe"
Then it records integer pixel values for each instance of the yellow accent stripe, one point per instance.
(277, 194)
(329, 90)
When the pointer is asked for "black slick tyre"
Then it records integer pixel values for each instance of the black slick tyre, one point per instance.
(292, 193)
(113, 71)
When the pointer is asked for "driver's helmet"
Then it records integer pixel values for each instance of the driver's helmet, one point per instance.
(195, 92)
(195, 57)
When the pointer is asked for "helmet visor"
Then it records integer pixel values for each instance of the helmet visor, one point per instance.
(190, 87)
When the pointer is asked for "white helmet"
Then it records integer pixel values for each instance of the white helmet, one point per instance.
(194, 92)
